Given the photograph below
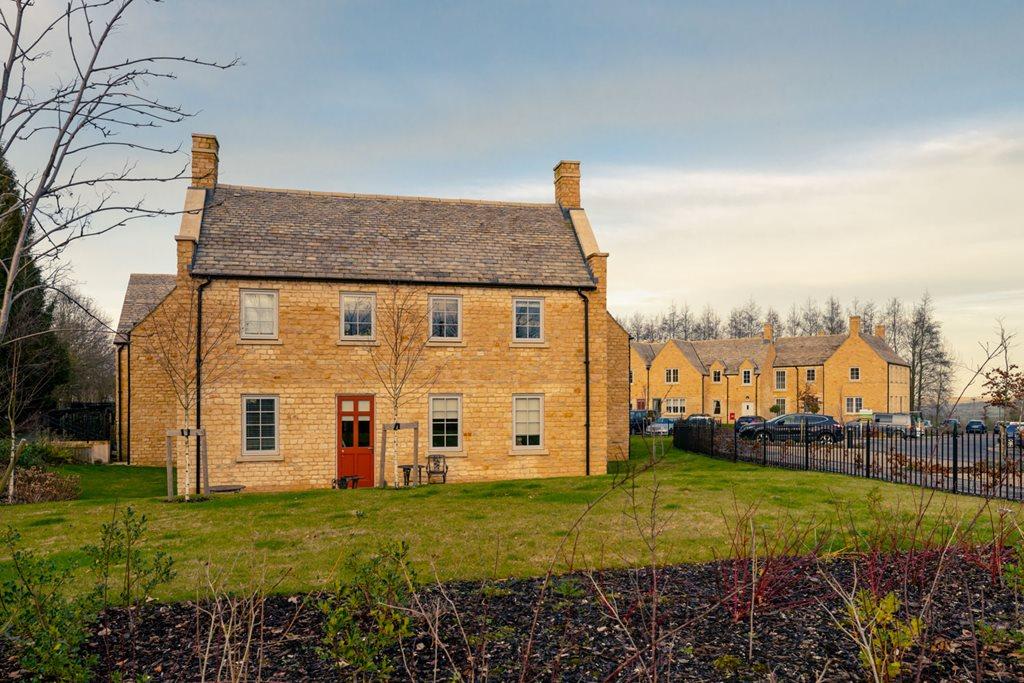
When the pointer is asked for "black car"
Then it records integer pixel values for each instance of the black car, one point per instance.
(796, 427)
(975, 427)
(638, 420)
(745, 420)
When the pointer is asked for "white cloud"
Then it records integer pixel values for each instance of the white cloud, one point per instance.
(942, 214)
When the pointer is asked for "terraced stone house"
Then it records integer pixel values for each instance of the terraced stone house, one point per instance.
(528, 373)
(727, 378)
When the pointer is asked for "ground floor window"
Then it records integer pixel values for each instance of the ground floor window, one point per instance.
(717, 408)
(854, 404)
(781, 403)
(528, 421)
(445, 422)
(675, 406)
(259, 425)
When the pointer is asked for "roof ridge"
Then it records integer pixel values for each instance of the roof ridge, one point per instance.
(411, 198)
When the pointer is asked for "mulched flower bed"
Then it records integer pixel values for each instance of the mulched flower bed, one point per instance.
(578, 638)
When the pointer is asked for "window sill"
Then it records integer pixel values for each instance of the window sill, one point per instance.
(528, 344)
(259, 342)
(448, 454)
(524, 451)
(358, 342)
(259, 458)
(445, 342)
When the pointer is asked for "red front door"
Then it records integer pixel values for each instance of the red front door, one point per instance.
(355, 438)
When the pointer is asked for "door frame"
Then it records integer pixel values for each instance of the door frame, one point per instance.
(373, 425)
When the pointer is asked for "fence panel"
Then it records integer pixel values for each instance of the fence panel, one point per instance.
(985, 464)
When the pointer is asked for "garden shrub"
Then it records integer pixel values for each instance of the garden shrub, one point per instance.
(361, 614)
(46, 623)
(38, 453)
(38, 485)
(45, 627)
(885, 637)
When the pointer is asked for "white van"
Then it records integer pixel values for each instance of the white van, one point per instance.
(899, 424)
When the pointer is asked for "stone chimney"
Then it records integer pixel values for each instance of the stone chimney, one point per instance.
(880, 331)
(567, 184)
(854, 325)
(205, 151)
(769, 333)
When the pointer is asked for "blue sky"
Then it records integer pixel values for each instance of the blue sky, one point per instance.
(889, 135)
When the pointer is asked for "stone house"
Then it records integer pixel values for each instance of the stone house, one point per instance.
(521, 370)
(728, 378)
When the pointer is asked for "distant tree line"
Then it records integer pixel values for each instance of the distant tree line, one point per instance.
(910, 328)
(57, 348)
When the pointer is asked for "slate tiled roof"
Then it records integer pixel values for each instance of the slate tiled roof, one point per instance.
(811, 350)
(883, 349)
(731, 352)
(256, 232)
(647, 350)
(145, 291)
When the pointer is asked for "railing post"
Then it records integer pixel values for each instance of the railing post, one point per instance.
(764, 445)
(735, 443)
(867, 451)
(956, 460)
(807, 445)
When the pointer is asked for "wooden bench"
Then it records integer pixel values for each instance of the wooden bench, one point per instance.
(227, 488)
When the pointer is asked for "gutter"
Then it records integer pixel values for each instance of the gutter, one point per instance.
(199, 376)
(586, 370)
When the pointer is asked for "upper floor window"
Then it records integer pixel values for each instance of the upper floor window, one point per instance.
(446, 422)
(716, 375)
(529, 320)
(259, 425)
(259, 314)
(780, 380)
(357, 316)
(528, 421)
(855, 374)
(812, 374)
(746, 376)
(671, 375)
(446, 317)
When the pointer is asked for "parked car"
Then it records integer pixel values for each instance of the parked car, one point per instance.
(699, 418)
(795, 427)
(745, 420)
(663, 426)
(950, 424)
(975, 427)
(638, 420)
(1015, 433)
(898, 424)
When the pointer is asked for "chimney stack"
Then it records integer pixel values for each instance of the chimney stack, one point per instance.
(205, 149)
(880, 331)
(854, 325)
(769, 333)
(567, 184)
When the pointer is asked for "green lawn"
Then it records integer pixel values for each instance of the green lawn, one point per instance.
(466, 531)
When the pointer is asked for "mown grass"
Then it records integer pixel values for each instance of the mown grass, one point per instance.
(461, 531)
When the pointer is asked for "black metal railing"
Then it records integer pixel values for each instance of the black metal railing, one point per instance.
(984, 464)
(81, 422)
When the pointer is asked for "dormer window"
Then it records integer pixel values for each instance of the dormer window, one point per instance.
(747, 376)
(716, 376)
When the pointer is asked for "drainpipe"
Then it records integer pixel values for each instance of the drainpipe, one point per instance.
(120, 403)
(199, 375)
(586, 369)
(128, 436)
